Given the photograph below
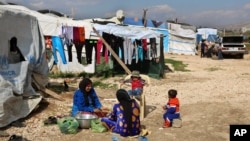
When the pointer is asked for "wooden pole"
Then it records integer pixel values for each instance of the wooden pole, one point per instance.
(162, 60)
(113, 53)
(144, 17)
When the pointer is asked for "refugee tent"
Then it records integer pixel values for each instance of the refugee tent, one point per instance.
(52, 27)
(165, 34)
(16, 78)
(209, 34)
(131, 37)
(181, 41)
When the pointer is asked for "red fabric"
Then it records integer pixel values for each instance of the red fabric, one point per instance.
(136, 84)
(174, 102)
(144, 44)
(98, 51)
(81, 34)
(76, 34)
(77, 39)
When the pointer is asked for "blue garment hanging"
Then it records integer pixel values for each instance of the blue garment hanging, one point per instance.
(140, 52)
(58, 46)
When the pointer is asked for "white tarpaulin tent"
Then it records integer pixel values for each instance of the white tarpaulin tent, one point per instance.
(205, 32)
(15, 79)
(181, 41)
(52, 26)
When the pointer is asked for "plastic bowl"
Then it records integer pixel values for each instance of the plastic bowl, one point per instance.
(84, 120)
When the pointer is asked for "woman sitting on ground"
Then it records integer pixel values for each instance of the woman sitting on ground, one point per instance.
(125, 116)
(85, 99)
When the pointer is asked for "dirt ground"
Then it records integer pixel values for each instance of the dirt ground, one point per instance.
(213, 95)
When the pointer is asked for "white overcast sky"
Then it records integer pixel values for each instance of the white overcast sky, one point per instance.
(194, 12)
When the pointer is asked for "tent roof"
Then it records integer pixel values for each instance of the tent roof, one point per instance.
(207, 31)
(45, 11)
(50, 25)
(127, 31)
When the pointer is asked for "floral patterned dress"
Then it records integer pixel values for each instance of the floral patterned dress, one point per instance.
(116, 120)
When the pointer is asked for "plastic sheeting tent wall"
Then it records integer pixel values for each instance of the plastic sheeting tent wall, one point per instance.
(52, 26)
(16, 78)
(181, 41)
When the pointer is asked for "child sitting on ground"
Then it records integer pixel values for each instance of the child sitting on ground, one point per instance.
(137, 84)
(172, 109)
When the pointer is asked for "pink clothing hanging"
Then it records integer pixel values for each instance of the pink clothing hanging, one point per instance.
(98, 51)
(144, 44)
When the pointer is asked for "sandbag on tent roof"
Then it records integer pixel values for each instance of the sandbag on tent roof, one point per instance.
(16, 78)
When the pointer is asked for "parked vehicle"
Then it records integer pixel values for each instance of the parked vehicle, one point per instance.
(231, 45)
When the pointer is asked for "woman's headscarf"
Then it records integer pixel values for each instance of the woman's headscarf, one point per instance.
(126, 102)
(82, 86)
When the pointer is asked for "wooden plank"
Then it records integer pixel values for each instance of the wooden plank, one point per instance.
(52, 93)
(113, 53)
(38, 81)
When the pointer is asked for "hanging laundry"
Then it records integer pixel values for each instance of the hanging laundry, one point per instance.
(105, 51)
(128, 50)
(68, 34)
(77, 40)
(89, 45)
(139, 49)
(144, 44)
(76, 35)
(135, 51)
(148, 52)
(69, 47)
(81, 34)
(153, 47)
(98, 51)
(117, 45)
(57, 46)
